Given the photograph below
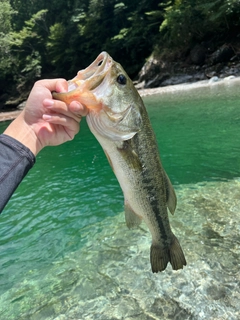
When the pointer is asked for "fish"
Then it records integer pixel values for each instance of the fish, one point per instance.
(119, 120)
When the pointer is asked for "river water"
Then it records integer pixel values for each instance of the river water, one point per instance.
(66, 253)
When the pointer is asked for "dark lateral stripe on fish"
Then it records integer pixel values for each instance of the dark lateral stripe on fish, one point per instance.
(155, 205)
(160, 223)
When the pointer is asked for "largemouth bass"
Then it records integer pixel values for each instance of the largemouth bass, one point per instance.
(119, 120)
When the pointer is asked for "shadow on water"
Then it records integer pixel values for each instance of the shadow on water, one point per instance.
(66, 253)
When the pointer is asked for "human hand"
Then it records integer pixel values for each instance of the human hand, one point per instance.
(45, 121)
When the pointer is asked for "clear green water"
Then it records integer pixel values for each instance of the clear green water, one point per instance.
(58, 222)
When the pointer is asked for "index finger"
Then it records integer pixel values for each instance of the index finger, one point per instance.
(58, 85)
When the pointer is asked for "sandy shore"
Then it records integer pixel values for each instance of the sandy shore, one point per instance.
(10, 115)
(215, 81)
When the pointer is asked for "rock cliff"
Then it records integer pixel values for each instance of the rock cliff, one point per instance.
(198, 64)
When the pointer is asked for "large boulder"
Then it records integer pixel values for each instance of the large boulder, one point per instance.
(198, 54)
(150, 69)
(223, 54)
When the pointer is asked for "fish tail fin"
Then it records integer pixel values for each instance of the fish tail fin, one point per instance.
(159, 257)
(177, 258)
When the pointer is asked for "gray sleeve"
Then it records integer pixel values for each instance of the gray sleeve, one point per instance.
(15, 162)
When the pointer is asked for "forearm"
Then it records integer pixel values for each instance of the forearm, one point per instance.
(15, 162)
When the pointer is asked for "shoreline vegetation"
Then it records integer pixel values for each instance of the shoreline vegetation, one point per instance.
(12, 114)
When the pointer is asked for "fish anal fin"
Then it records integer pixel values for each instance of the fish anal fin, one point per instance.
(170, 194)
(159, 256)
(132, 219)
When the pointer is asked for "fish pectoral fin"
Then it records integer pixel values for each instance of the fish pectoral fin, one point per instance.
(170, 194)
(159, 256)
(129, 155)
(132, 219)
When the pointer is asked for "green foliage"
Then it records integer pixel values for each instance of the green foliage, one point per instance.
(6, 13)
(56, 43)
(136, 34)
(32, 33)
(28, 46)
(6, 59)
(190, 21)
(22, 52)
(183, 23)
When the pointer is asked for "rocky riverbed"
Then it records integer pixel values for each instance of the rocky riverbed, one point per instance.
(111, 278)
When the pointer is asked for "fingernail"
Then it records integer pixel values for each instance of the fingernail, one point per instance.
(48, 103)
(46, 117)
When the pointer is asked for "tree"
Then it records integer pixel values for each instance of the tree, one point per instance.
(187, 22)
(136, 38)
(28, 45)
(6, 59)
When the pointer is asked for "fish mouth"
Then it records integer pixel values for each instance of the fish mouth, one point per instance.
(92, 76)
(81, 87)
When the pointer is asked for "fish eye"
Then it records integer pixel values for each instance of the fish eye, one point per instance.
(121, 79)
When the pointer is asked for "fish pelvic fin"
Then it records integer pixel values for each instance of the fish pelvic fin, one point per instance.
(159, 257)
(132, 219)
(170, 194)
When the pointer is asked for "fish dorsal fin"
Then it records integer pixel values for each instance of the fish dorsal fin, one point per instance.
(132, 219)
(170, 194)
